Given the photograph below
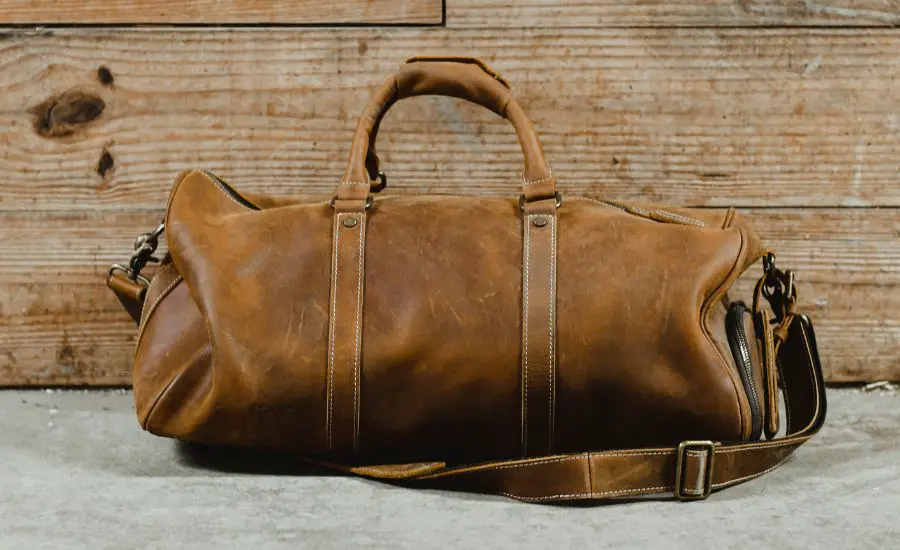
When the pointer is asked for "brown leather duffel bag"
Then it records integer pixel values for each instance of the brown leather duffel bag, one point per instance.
(540, 348)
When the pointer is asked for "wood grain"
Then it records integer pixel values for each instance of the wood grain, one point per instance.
(752, 117)
(677, 13)
(800, 127)
(217, 12)
(59, 324)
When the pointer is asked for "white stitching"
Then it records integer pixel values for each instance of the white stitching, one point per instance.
(535, 182)
(590, 494)
(552, 314)
(669, 217)
(527, 243)
(678, 218)
(366, 183)
(356, 359)
(549, 172)
(330, 381)
(585, 456)
(764, 446)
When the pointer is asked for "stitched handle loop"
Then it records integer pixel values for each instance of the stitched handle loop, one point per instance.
(464, 78)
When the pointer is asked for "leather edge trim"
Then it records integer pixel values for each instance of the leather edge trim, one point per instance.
(145, 422)
(718, 291)
(152, 309)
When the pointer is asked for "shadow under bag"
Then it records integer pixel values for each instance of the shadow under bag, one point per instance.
(542, 347)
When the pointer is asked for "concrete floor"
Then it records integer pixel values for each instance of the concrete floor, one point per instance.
(77, 472)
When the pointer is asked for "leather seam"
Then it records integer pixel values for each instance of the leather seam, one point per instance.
(145, 307)
(146, 421)
(331, 337)
(504, 109)
(590, 494)
(729, 217)
(585, 456)
(218, 186)
(175, 189)
(655, 215)
(526, 278)
(759, 447)
(552, 316)
(152, 310)
(537, 181)
(356, 359)
(162, 393)
(703, 320)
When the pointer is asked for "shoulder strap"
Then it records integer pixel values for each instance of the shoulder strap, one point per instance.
(692, 470)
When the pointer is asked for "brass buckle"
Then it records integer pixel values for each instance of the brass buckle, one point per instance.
(683, 448)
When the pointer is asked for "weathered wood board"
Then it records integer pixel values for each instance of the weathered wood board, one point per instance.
(218, 12)
(701, 117)
(798, 127)
(59, 324)
(671, 13)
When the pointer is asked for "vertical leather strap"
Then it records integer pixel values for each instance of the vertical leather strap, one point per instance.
(345, 330)
(765, 322)
(538, 326)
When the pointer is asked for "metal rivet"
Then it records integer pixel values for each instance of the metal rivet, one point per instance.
(350, 222)
(539, 221)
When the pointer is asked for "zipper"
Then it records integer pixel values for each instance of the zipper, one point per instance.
(229, 190)
(740, 349)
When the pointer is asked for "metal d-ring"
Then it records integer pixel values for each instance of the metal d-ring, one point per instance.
(557, 195)
(369, 201)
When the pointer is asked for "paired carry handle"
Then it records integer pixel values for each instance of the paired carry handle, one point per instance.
(464, 78)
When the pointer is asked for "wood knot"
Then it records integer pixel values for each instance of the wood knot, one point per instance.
(64, 115)
(106, 163)
(105, 76)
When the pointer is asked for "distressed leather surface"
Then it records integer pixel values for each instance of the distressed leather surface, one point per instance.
(441, 326)
(396, 336)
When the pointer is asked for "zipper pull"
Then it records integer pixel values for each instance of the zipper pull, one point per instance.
(765, 328)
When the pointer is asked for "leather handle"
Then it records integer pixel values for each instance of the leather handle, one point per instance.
(464, 78)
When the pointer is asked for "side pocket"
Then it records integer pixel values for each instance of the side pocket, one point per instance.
(743, 343)
(172, 356)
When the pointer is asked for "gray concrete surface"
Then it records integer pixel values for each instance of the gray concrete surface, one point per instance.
(77, 472)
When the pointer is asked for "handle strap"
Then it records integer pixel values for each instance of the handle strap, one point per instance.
(464, 78)
(690, 471)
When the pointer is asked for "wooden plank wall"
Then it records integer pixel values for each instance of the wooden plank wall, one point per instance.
(788, 110)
